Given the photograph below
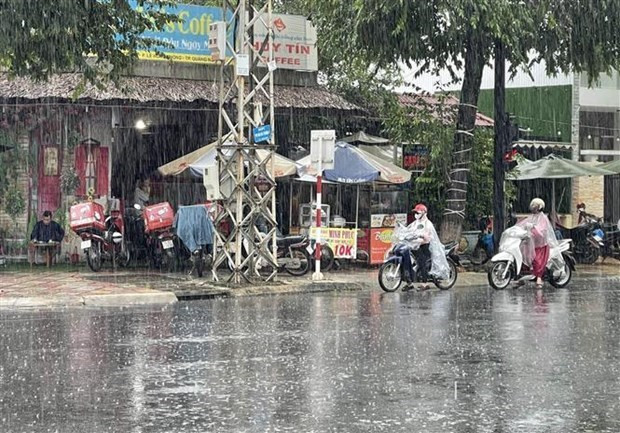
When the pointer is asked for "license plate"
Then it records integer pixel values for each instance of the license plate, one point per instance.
(167, 244)
(86, 244)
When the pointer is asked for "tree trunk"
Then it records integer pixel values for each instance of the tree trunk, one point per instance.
(456, 195)
(501, 142)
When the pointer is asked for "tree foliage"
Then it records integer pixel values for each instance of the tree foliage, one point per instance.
(99, 38)
(459, 35)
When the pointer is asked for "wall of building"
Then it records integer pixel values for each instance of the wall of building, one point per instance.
(6, 223)
(591, 191)
(545, 110)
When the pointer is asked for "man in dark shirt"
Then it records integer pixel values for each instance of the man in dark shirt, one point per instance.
(47, 230)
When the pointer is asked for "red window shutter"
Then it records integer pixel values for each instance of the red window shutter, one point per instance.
(80, 168)
(102, 171)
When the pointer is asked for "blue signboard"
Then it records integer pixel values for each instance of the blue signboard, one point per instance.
(189, 36)
(262, 133)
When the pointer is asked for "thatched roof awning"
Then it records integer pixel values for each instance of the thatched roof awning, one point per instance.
(153, 90)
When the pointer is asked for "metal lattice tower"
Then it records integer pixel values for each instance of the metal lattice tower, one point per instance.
(244, 165)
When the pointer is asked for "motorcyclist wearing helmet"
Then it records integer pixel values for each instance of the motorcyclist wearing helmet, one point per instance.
(420, 230)
(542, 238)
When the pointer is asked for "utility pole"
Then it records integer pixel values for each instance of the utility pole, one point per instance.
(246, 145)
(501, 142)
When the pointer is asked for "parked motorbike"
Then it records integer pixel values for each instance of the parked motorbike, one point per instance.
(586, 248)
(507, 265)
(292, 256)
(608, 236)
(102, 239)
(160, 247)
(197, 250)
(392, 273)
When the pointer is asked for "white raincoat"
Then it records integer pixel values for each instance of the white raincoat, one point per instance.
(425, 230)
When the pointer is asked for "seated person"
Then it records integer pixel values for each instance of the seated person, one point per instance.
(47, 230)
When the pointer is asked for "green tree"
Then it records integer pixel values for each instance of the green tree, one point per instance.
(99, 38)
(459, 35)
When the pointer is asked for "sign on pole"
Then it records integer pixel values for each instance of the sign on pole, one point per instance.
(322, 148)
(262, 133)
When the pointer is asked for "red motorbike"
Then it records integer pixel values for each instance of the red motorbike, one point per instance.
(103, 238)
(158, 220)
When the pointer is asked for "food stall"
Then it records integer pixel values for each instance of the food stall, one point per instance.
(366, 195)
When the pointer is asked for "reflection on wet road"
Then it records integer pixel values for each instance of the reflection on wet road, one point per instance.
(467, 360)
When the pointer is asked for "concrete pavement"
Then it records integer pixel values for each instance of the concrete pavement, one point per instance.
(26, 288)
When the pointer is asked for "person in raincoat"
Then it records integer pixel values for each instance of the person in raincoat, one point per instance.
(430, 249)
(536, 249)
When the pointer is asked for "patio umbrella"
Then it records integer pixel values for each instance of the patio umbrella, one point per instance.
(612, 166)
(554, 167)
(195, 162)
(362, 137)
(355, 166)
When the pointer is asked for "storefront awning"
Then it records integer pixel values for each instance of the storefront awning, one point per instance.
(543, 144)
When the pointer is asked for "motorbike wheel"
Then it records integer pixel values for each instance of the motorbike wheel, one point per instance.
(93, 256)
(168, 262)
(390, 277)
(479, 256)
(327, 258)
(563, 281)
(125, 257)
(199, 263)
(589, 255)
(449, 282)
(495, 275)
(304, 262)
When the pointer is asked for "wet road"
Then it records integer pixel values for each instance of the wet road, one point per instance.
(467, 360)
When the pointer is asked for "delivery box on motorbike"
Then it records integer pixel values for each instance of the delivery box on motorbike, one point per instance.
(84, 216)
(158, 217)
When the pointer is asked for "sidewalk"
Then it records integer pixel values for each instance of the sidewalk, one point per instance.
(23, 288)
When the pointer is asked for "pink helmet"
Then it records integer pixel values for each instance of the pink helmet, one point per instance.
(420, 208)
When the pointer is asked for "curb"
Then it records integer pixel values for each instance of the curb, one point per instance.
(41, 301)
(130, 299)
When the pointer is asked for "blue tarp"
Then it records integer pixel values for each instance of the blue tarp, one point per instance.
(350, 166)
(193, 226)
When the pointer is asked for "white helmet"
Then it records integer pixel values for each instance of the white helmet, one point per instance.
(537, 204)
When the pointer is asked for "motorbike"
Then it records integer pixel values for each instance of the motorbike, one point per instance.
(195, 250)
(507, 265)
(608, 236)
(586, 247)
(392, 273)
(160, 246)
(291, 254)
(102, 239)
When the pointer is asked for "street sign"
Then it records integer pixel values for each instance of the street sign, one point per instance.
(322, 148)
(262, 133)
(243, 65)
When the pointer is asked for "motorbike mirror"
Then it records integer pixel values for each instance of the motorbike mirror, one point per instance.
(137, 206)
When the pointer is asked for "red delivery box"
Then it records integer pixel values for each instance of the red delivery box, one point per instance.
(87, 216)
(158, 216)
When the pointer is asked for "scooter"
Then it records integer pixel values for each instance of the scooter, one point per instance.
(392, 272)
(101, 241)
(507, 265)
(160, 246)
